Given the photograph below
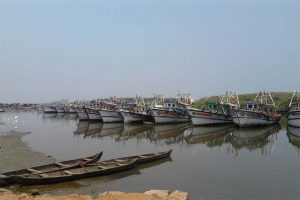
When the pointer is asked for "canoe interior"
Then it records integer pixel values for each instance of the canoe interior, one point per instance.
(54, 166)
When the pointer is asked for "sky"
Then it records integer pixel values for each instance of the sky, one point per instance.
(57, 49)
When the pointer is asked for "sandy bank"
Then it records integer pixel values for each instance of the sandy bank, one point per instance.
(15, 154)
(149, 195)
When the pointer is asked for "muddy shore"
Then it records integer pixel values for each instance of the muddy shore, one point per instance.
(15, 154)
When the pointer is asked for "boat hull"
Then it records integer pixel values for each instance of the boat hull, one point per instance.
(93, 114)
(80, 173)
(6, 178)
(110, 116)
(293, 118)
(49, 110)
(83, 116)
(162, 116)
(132, 117)
(246, 118)
(199, 117)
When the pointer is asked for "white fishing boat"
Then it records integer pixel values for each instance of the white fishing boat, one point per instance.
(215, 113)
(170, 111)
(260, 112)
(111, 116)
(72, 110)
(60, 109)
(210, 114)
(293, 117)
(82, 114)
(2, 110)
(109, 111)
(135, 112)
(93, 114)
(49, 109)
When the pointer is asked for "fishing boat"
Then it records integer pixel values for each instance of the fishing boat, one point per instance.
(60, 109)
(171, 111)
(72, 110)
(99, 169)
(210, 114)
(293, 117)
(260, 112)
(49, 109)
(215, 113)
(2, 110)
(135, 112)
(93, 114)
(109, 111)
(5, 178)
(111, 116)
(82, 114)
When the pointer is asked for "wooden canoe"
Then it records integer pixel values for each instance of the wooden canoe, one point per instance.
(109, 167)
(5, 178)
(144, 158)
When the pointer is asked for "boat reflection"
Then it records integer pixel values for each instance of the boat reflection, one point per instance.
(82, 127)
(49, 116)
(110, 129)
(97, 130)
(293, 134)
(262, 138)
(213, 136)
(169, 133)
(138, 131)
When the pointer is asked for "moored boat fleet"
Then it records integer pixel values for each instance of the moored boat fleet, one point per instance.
(259, 112)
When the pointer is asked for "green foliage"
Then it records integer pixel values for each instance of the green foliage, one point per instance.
(281, 99)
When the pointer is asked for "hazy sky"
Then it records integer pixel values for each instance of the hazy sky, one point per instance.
(57, 49)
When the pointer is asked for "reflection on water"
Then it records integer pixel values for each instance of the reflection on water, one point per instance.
(212, 135)
(168, 133)
(232, 161)
(262, 138)
(293, 134)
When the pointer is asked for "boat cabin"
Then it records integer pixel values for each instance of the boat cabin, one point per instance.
(251, 105)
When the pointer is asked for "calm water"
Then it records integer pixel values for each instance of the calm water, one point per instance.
(220, 162)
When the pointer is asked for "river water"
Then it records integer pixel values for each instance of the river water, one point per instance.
(221, 162)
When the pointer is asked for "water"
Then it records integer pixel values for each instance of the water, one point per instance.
(220, 162)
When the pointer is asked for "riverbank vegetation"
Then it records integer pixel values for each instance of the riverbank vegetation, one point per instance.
(281, 99)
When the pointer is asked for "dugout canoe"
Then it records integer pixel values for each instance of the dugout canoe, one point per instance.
(144, 158)
(90, 170)
(5, 178)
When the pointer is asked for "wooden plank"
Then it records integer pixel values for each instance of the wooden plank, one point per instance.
(33, 170)
(69, 172)
(44, 175)
(62, 165)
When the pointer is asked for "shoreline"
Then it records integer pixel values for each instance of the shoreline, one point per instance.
(15, 154)
(108, 195)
